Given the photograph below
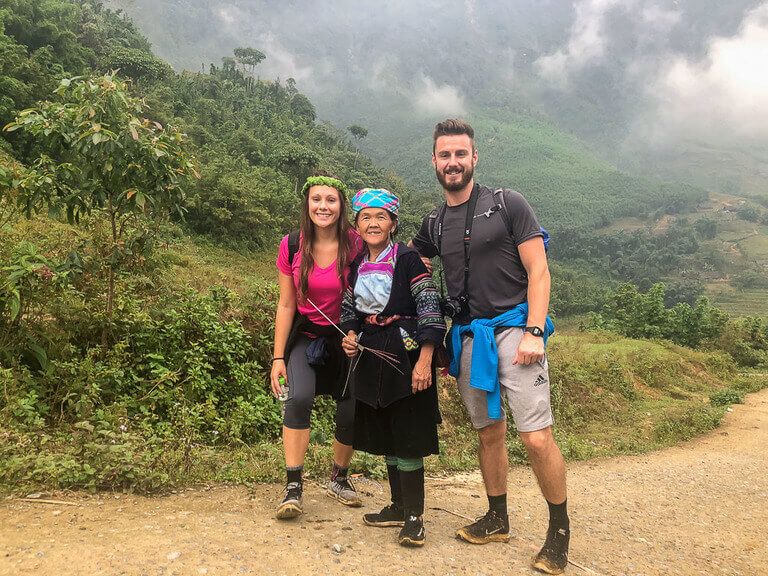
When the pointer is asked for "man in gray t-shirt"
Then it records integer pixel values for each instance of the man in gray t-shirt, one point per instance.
(507, 266)
(494, 260)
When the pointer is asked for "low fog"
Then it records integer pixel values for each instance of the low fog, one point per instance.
(620, 74)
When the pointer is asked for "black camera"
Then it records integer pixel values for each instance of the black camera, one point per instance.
(455, 307)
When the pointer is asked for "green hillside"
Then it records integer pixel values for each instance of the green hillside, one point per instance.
(727, 253)
(255, 140)
(567, 184)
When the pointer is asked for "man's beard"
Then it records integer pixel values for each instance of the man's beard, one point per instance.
(466, 177)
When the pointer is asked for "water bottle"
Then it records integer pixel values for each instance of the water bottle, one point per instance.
(283, 396)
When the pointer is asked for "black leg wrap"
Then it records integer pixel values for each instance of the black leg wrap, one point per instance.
(412, 484)
(395, 488)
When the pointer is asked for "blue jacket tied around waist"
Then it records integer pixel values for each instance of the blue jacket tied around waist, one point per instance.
(484, 373)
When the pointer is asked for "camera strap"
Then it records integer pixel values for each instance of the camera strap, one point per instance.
(471, 204)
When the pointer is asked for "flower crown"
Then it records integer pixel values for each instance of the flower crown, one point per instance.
(325, 181)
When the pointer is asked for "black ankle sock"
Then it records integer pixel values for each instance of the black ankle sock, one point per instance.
(498, 504)
(294, 474)
(395, 488)
(558, 516)
(339, 472)
(412, 484)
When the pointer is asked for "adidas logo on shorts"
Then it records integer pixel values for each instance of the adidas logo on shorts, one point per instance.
(539, 380)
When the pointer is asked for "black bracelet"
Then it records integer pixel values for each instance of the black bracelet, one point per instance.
(278, 358)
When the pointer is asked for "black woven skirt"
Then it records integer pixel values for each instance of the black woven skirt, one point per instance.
(407, 428)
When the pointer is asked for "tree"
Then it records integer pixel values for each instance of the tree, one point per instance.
(297, 160)
(8, 193)
(104, 158)
(236, 201)
(358, 132)
(137, 64)
(249, 57)
(706, 228)
(290, 87)
(301, 106)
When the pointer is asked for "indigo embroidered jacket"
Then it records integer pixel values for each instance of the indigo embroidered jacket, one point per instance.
(415, 303)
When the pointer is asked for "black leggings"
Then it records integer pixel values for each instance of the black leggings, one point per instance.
(301, 396)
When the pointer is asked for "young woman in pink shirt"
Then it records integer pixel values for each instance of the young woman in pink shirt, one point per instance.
(307, 355)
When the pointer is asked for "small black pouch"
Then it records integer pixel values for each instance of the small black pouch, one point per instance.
(317, 352)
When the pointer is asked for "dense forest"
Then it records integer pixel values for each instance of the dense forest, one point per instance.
(139, 210)
(256, 139)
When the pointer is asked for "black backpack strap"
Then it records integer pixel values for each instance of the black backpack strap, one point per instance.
(293, 245)
(436, 217)
(498, 196)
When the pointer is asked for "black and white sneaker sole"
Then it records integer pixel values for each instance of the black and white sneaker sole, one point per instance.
(410, 543)
(462, 534)
(384, 523)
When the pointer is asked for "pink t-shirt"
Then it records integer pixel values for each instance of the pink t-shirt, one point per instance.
(324, 285)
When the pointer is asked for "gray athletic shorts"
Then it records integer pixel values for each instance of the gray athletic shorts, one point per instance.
(525, 388)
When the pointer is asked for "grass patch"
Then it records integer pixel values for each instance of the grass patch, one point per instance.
(611, 395)
(198, 264)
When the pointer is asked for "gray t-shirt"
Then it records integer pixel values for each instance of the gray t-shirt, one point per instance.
(497, 279)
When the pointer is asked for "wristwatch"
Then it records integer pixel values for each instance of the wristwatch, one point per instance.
(535, 330)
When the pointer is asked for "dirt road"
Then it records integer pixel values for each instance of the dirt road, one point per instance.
(700, 508)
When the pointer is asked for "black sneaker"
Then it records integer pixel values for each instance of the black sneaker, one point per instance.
(412, 533)
(290, 507)
(391, 515)
(493, 527)
(553, 556)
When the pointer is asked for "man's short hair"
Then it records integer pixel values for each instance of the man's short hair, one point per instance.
(453, 127)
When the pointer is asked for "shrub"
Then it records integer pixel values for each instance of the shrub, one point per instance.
(750, 279)
(746, 340)
(636, 315)
(726, 398)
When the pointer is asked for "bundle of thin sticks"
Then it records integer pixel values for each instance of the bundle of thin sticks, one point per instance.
(387, 357)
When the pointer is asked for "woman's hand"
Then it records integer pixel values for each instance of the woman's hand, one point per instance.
(278, 369)
(349, 344)
(421, 377)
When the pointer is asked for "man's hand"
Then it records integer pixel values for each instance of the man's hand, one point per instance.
(530, 350)
(349, 344)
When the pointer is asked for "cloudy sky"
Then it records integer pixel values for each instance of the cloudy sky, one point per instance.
(659, 71)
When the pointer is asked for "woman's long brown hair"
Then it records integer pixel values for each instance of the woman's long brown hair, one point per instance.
(307, 228)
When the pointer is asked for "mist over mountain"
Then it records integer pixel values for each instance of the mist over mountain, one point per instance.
(666, 87)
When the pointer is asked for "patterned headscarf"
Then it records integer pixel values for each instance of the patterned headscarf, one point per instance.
(375, 198)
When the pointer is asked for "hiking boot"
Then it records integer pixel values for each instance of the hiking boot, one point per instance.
(343, 490)
(412, 533)
(553, 556)
(493, 527)
(391, 515)
(290, 507)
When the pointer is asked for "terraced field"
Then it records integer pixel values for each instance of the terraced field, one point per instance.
(739, 302)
